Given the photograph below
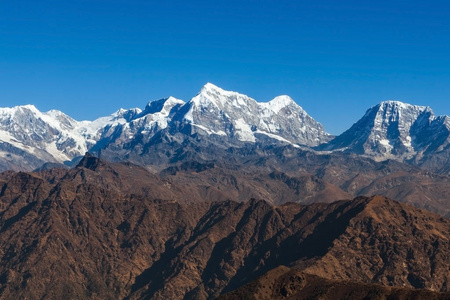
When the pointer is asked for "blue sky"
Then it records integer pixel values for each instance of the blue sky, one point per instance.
(335, 58)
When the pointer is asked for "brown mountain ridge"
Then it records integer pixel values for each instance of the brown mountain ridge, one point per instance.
(290, 284)
(115, 231)
(288, 174)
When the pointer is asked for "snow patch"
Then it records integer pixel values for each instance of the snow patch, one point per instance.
(244, 131)
(209, 131)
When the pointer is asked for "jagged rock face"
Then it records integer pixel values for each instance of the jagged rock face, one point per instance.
(138, 129)
(98, 231)
(395, 130)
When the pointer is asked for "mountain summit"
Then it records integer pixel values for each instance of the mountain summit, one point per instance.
(243, 119)
(395, 130)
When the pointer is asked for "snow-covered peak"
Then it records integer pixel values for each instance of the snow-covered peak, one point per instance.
(398, 107)
(207, 97)
(240, 117)
(30, 107)
(390, 130)
(210, 90)
(19, 109)
(59, 120)
(172, 100)
(279, 102)
(209, 87)
(162, 106)
(447, 122)
(387, 112)
(125, 114)
(57, 113)
(170, 103)
(211, 94)
(394, 103)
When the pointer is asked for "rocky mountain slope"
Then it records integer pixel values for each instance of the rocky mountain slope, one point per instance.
(286, 173)
(286, 283)
(113, 231)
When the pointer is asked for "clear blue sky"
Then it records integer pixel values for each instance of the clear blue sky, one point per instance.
(89, 58)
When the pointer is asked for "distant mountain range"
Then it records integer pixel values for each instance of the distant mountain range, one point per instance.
(390, 130)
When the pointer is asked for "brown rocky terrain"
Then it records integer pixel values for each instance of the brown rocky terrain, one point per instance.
(286, 283)
(360, 176)
(115, 231)
(288, 174)
(218, 182)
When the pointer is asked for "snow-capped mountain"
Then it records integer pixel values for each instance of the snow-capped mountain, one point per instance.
(215, 117)
(215, 114)
(395, 130)
(241, 118)
(137, 124)
(220, 117)
(29, 137)
(51, 136)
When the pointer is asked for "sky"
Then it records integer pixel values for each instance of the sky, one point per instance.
(88, 58)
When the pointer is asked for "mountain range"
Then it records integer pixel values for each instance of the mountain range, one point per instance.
(226, 145)
(115, 231)
(224, 119)
(223, 196)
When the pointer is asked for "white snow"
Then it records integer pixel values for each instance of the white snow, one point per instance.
(209, 131)
(57, 154)
(276, 137)
(170, 103)
(160, 118)
(407, 141)
(384, 142)
(6, 136)
(447, 122)
(278, 103)
(244, 131)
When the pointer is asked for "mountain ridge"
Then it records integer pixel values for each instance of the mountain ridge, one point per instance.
(61, 138)
(94, 233)
(389, 130)
(286, 283)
